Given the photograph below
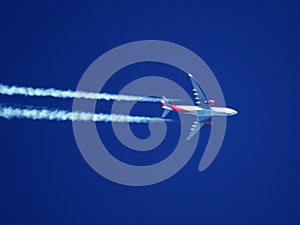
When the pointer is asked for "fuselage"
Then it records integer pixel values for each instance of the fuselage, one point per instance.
(198, 111)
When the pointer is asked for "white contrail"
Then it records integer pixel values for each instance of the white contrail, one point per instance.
(9, 112)
(51, 92)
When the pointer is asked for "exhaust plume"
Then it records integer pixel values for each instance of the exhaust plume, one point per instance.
(51, 92)
(9, 112)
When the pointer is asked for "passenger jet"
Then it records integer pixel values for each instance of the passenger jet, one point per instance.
(203, 109)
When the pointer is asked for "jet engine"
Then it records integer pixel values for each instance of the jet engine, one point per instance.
(211, 102)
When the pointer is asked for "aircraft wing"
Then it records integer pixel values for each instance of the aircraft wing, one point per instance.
(195, 128)
(199, 94)
(200, 101)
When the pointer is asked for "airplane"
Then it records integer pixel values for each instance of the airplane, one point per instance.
(203, 109)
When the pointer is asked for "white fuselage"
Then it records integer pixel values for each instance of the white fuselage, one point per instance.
(214, 111)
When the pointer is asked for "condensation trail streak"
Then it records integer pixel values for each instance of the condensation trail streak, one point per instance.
(51, 92)
(9, 112)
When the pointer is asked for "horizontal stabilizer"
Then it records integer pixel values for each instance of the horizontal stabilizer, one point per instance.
(166, 106)
(165, 113)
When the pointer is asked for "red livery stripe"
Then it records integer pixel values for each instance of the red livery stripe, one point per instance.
(176, 108)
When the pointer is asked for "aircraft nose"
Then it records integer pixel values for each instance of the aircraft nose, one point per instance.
(231, 111)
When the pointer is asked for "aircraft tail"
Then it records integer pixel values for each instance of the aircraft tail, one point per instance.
(166, 106)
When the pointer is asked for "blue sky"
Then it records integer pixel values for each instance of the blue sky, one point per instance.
(251, 46)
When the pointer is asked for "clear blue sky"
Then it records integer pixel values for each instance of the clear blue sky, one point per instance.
(253, 49)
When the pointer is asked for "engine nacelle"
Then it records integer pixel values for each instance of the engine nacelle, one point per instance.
(211, 102)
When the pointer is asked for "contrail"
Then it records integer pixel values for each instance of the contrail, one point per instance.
(9, 112)
(51, 92)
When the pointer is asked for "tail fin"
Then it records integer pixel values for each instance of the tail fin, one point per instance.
(166, 106)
